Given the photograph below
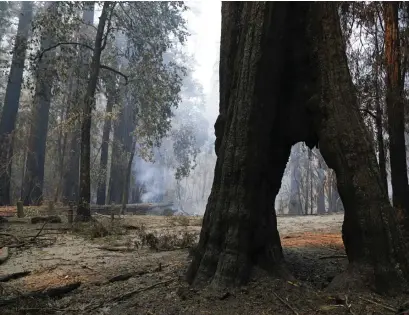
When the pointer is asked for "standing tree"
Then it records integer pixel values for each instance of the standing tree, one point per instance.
(395, 109)
(32, 192)
(11, 102)
(279, 59)
(83, 210)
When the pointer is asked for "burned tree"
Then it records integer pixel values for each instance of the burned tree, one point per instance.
(11, 101)
(284, 78)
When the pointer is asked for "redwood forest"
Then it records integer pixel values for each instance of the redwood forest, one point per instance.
(204, 157)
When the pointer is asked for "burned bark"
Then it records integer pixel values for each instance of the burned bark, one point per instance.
(83, 210)
(253, 146)
(371, 234)
(11, 100)
(72, 173)
(284, 78)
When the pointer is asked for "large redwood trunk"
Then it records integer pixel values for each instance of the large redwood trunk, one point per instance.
(371, 234)
(252, 144)
(284, 79)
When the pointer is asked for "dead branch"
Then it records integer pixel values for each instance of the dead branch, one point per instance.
(39, 232)
(116, 249)
(386, 307)
(285, 303)
(13, 276)
(49, 292)
(333, 256)
(122, 277)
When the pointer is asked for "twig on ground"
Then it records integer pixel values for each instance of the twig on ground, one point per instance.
(333, 257)
(285, 303)
(386, 307)
(39, 232)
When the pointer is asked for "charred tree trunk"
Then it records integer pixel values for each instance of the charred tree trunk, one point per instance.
(72, 173)
(83, 210)
(395, 110)
(122, 145)
(371, 235)
(275, 56)
(34, 171)
(11, 100)
(239, 227)
(101, 191)
(379, 116)
(125, 192)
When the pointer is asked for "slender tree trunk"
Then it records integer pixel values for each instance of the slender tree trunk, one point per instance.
(101, 191)
(11, 101)
(122, 145)
(395, 110)
(371, 234)
(83, 210)
(34, 172)
(72, 173)
(125, 192)
(379, 117)
(321, 185)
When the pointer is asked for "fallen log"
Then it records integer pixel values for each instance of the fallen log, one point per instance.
(116, 249)
(47, 219)
(49, 292)
(14, 276)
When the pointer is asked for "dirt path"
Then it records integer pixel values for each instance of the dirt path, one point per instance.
(138, 269)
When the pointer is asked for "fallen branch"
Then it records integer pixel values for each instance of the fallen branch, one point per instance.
(39, 232)
(386, 307)
(285, 303)
(333, 257)
(116, 249)
(49, 292)
(13, 276)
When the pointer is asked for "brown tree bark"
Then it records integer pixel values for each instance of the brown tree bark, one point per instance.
(395, 110)
(83, 210)
(371, 234)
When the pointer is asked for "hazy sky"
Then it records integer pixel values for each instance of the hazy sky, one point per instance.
(204, 24)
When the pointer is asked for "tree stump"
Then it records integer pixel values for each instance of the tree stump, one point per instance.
(20, 209)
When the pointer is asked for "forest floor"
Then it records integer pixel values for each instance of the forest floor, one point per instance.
(136, 264)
